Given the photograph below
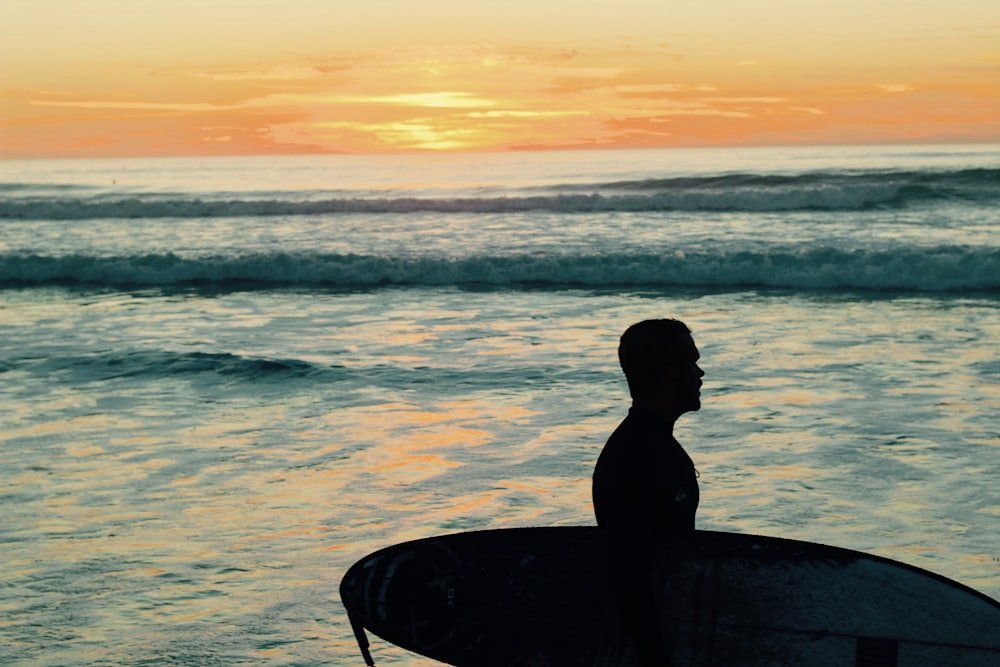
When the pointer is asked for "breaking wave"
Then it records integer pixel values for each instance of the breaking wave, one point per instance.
(757, 193)
(934, 269)
(157, 363)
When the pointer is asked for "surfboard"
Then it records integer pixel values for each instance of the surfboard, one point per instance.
(535, 597)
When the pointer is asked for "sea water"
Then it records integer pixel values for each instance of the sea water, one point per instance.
(225, 380)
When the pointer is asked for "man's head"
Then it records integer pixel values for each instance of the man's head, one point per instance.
(660, 361)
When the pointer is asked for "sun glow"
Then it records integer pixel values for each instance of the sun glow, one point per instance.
(112, 80)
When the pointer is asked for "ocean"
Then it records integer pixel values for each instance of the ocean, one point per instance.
(224, 380)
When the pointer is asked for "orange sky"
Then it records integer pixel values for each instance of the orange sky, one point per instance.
(186, 77)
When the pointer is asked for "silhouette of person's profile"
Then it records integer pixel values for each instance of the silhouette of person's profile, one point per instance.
(645, 487)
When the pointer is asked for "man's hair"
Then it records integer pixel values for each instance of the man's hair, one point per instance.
(646, 349)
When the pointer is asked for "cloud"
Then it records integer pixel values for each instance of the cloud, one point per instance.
(270, 73)
(698, 112)
(895, 87)
(808, 110)
(659, 89)
(133, 106)
(438, 100)
(746, 100)
(521, 113)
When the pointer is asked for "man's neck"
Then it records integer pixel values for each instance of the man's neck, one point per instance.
(658, 408)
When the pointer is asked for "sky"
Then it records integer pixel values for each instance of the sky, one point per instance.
(231, 77)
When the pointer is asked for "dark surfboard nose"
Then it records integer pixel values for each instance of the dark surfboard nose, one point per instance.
(351, 589)
(352, 594)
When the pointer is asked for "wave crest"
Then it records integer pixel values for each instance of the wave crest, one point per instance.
(937, 269)
(757, 193)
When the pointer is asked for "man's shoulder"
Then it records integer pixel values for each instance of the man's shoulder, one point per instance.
(638, 427)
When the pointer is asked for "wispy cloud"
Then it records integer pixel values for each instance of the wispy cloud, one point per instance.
(132, 106)
(524, 113)
(895, 87)
(439, 100)
(279, 72)
(659, 89)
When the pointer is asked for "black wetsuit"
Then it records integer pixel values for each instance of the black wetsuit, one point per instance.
(645, 485)
(645, 493)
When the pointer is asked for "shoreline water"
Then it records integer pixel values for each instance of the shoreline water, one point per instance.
(191, 461)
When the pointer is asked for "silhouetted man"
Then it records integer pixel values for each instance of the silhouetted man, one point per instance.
(645, 485)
